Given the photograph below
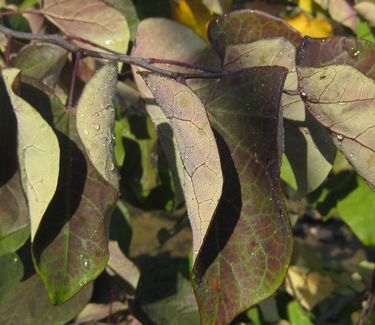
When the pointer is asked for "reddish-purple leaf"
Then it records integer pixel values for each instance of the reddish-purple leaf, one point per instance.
(245, 26)
(248, 246)
(337, 50)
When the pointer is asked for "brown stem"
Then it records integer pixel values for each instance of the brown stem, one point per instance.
(77, 59)
(147, 64)
(8, 51)
(20, 12)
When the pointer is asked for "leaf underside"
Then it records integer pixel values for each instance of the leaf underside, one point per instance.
(203, 179)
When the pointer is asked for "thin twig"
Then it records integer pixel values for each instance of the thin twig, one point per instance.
(77, 60)
(147, 64)
(20, 12)
(8, 50)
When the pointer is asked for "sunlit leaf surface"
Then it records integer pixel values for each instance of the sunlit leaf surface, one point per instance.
(38, 153)
(92, 20)
(95, 122)
(203, 180)
(333, 96)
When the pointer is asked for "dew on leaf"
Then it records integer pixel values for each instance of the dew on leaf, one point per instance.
(95, 127)
(340, 137)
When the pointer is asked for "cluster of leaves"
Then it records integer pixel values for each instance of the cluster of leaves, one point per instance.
(267, 97)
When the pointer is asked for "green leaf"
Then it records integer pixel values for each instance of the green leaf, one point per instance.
(92, 20)
(203, 180)
(248, 246)
(119, 149)
(16, 22)
(333, 97)
(245, 26)
(367, 10)
(182, 44)
(286, 173)
(71, 246)
(11, 271)
(41, 61)
(139, 172)
(364, 30)
(95, 122)
(19, 307)
(296, 314)
(177, 309)
(27, 4)
(358, 210)
(126, 7)
(38, 153)
(14, 212)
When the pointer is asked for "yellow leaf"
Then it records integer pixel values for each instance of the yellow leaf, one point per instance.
(306, 5)
(310, 288)
(195, 14)
(314, 27)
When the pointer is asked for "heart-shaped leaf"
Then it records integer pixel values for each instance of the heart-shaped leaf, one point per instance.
(248, 245)
(92, 20)
(308, 147)
(245, 26)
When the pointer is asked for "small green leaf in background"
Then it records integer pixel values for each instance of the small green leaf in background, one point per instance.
(177, 309)
(366, 8)
(26, 301)
(364, 30)
(297, 315)
(27, 4)
(38, 153)
(41, 61)
(16, 22)
(358, 211)
(286, 173)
